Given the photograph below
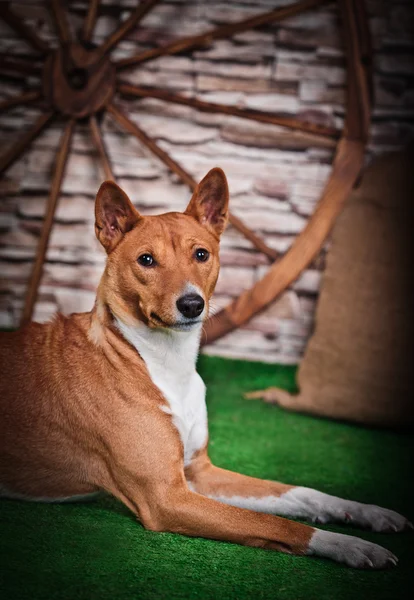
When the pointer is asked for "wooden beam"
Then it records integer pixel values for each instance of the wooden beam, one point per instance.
(244, 113)
(22, 29)
(197, 41)
(90, 20)
(23, 142)
(132, 128)
(12, 65)
(20, 100)
(135, 17)
(60, 165)
(136, 131)
(100, 147)
(61, 23)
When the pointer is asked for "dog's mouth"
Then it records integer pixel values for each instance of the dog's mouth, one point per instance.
(158, 320)
(177, 326)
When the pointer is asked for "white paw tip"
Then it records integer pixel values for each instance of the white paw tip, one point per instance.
(409, 525)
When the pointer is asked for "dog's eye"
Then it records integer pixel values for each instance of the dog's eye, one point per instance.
(201, 254)
(146, 260)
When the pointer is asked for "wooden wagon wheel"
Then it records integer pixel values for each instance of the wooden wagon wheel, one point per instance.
(80, 80)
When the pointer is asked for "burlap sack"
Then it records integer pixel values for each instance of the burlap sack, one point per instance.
(358, 363)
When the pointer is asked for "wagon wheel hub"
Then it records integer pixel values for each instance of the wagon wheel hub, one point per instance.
(78, 81)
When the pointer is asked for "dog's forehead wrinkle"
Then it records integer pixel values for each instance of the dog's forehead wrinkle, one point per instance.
(179, 228)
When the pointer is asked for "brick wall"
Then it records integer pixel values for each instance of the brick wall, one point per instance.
(275, 177)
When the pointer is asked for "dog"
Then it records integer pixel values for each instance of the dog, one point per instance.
(111, 400)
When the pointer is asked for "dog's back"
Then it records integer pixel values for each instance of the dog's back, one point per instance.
(36, 426)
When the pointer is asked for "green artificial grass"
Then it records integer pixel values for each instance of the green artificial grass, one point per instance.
(98, 550)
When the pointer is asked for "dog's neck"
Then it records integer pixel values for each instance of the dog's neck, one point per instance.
(165, 348)
(170, 357)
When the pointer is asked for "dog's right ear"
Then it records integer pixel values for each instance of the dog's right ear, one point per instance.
(114, 215)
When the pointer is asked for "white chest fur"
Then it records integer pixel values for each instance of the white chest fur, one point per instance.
(170, 357)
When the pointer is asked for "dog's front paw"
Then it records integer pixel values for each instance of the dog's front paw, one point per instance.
(351, 551)
(376, 518)
(319, 507)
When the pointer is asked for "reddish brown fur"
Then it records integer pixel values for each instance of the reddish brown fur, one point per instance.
(209, 480)
(79, 411)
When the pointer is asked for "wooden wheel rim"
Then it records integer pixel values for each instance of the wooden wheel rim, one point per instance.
(347, 164)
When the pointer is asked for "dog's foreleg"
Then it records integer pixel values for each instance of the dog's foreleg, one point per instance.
(286, 500)
(182, 511)
(153, 485)
(178, 510)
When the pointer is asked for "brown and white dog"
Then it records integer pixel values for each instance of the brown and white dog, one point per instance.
(111, 400)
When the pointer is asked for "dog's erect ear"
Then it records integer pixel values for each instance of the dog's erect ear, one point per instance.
(114, 215)
(210, 201)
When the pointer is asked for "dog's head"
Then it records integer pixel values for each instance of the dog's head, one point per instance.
(162, 270)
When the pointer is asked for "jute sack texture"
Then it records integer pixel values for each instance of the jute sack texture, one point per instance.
(358, 363)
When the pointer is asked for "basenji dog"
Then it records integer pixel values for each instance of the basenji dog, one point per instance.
(111, 399)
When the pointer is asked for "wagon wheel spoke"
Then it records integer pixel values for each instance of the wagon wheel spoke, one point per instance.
(131, 127)
(22, 29)
(257, 242)
(61, 22)
(99, 143)
(60, 164)
(203, 39)
(11, 155)
(244, 113)
(136, 131)
(21, 99)
(90, 20)
(135, 17)
(10, 65)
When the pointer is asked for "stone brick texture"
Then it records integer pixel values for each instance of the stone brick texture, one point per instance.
(276, 176)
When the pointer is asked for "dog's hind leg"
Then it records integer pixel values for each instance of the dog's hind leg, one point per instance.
(8, 494)
(286, 500)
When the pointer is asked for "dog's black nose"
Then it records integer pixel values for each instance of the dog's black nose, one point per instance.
(190, 305)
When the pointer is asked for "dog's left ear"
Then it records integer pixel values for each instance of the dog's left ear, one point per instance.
(210, 202)
(115, 215)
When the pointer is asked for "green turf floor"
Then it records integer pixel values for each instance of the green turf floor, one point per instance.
(98, 551)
